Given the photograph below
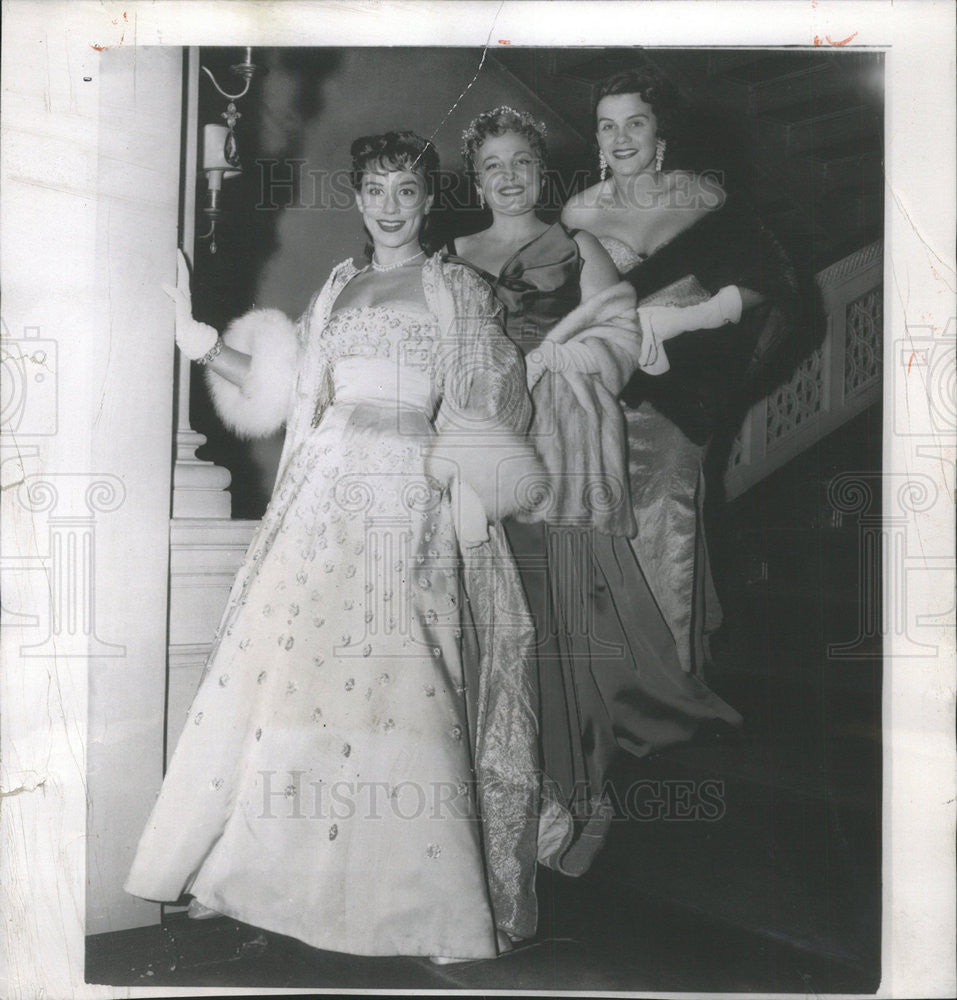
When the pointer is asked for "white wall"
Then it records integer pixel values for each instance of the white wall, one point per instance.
(90, 192)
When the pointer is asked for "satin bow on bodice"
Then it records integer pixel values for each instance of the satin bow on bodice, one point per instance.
(538, 285)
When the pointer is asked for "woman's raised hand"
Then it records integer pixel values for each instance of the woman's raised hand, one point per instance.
(193, 338)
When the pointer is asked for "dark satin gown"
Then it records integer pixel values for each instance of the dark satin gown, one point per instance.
(610, 675)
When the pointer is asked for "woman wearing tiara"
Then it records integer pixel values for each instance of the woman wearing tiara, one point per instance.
(333, 781)
(609, 672)
(715, 294)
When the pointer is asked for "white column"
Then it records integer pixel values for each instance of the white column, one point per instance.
(200, 488)
(91, 177)
(206, 547)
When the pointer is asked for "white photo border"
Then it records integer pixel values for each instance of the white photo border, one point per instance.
(44, 949)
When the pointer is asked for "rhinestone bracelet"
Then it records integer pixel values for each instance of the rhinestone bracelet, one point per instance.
(211, 353)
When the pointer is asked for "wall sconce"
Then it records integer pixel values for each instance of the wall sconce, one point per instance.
(220, 161)
(220, 149)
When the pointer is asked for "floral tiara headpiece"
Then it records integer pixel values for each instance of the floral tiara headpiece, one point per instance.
(522, 119)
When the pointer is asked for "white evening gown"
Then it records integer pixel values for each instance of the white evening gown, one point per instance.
(323, 786)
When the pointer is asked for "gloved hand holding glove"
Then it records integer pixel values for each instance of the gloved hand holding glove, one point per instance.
(665, 322)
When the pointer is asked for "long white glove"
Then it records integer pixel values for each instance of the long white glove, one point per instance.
(665, 322)
(555, 357)
(593, 353)
(193, 338)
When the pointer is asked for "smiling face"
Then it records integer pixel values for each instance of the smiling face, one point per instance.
(627, 132)
(508, 173)
(393, 204)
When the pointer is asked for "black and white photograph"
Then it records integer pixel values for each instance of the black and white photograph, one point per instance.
(478, 487)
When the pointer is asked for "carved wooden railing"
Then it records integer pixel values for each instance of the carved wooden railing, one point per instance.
(838, 380)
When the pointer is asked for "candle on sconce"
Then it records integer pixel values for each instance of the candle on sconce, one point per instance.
(214, 151)
(217, 166)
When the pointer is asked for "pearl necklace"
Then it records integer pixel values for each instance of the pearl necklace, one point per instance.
(376, 266)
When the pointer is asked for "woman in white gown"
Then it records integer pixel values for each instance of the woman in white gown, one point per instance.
(332, 783)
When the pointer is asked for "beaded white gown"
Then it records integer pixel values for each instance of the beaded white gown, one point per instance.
(324, 786)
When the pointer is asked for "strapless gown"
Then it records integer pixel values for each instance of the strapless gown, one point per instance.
(323, 786)
(673, 418)
(667, 489)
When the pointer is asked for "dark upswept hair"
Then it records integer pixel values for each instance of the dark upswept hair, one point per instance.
(653, 89)
(399, 150)
(498, 122)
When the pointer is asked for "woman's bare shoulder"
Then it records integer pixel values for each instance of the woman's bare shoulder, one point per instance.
(588, 244)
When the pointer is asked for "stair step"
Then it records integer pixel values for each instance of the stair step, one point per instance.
(849, 214)
(803, 127)
(820, 171)
(789, 863)
(806, 178)
(812, 110)
(781, 65)
(800, 895)
(566, 99)
(814, 86)
(793, 78)
(722, 61)
(592, 66)
(832, 223)
(845, 150)
(176, 951)
(843, 770)
(778, 81)
(646, 945)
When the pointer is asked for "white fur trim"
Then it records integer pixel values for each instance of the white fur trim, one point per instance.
(263, 403)
(501, 468)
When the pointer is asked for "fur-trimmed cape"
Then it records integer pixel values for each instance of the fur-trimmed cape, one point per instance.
(263, 403)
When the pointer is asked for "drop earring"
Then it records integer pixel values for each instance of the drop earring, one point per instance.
(481, 198)
(660, 147)
(602, 166)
